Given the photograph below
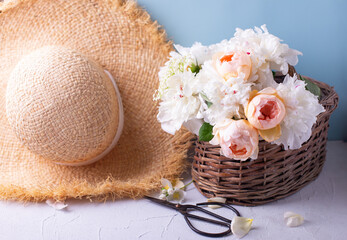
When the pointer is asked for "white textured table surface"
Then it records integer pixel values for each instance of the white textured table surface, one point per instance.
(323, 203)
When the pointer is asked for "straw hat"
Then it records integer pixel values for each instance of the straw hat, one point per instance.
(77, 117)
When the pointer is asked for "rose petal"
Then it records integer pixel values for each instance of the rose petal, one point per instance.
(265, 110)
(233, 64)
(240, 226)
(238, 140)
(268, 90)
(271, 134)
(252, 94)
(216, 199)
(293, 219)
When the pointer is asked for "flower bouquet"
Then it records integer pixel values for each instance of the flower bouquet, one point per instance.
(231, 94)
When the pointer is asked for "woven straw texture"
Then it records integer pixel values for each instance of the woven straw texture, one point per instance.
(275, 174)
(51, 95)
(122, 39)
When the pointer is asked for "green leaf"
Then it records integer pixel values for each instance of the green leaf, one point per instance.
(205, 132)
(195, 68)
(206, 99)
(311, 86)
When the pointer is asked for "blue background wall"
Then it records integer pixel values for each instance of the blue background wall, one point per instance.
(316, 28)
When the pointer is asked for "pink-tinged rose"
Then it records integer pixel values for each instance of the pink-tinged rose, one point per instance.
(237, 138)
(265, 110)
(232, 64)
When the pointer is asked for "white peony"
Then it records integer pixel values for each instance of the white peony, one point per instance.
(177, 64)
(194, 125)
(198, 51)
(302, 109)
(267, 47)
(180, 102)
(227, 97)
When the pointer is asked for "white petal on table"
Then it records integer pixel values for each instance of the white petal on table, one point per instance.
(240, 226)
(293, 219)
(216, 199)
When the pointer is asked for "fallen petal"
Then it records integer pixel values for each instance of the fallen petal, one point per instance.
(240, 226)
(56, 205)
(293, 219)
(216, 199)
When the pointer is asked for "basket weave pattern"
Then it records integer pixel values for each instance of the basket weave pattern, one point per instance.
(275, 174)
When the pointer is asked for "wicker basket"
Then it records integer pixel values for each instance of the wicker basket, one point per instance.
(276, 173)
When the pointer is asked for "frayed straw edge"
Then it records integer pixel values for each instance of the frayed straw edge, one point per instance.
(130, 7)
(140, 16)
(110, 189)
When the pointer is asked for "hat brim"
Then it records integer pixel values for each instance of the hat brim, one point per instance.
(123, 40)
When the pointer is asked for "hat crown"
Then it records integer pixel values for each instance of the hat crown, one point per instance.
(61, 105)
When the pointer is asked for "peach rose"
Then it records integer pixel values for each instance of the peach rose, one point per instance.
(265, 111)
(231, 64)
(237, 138)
